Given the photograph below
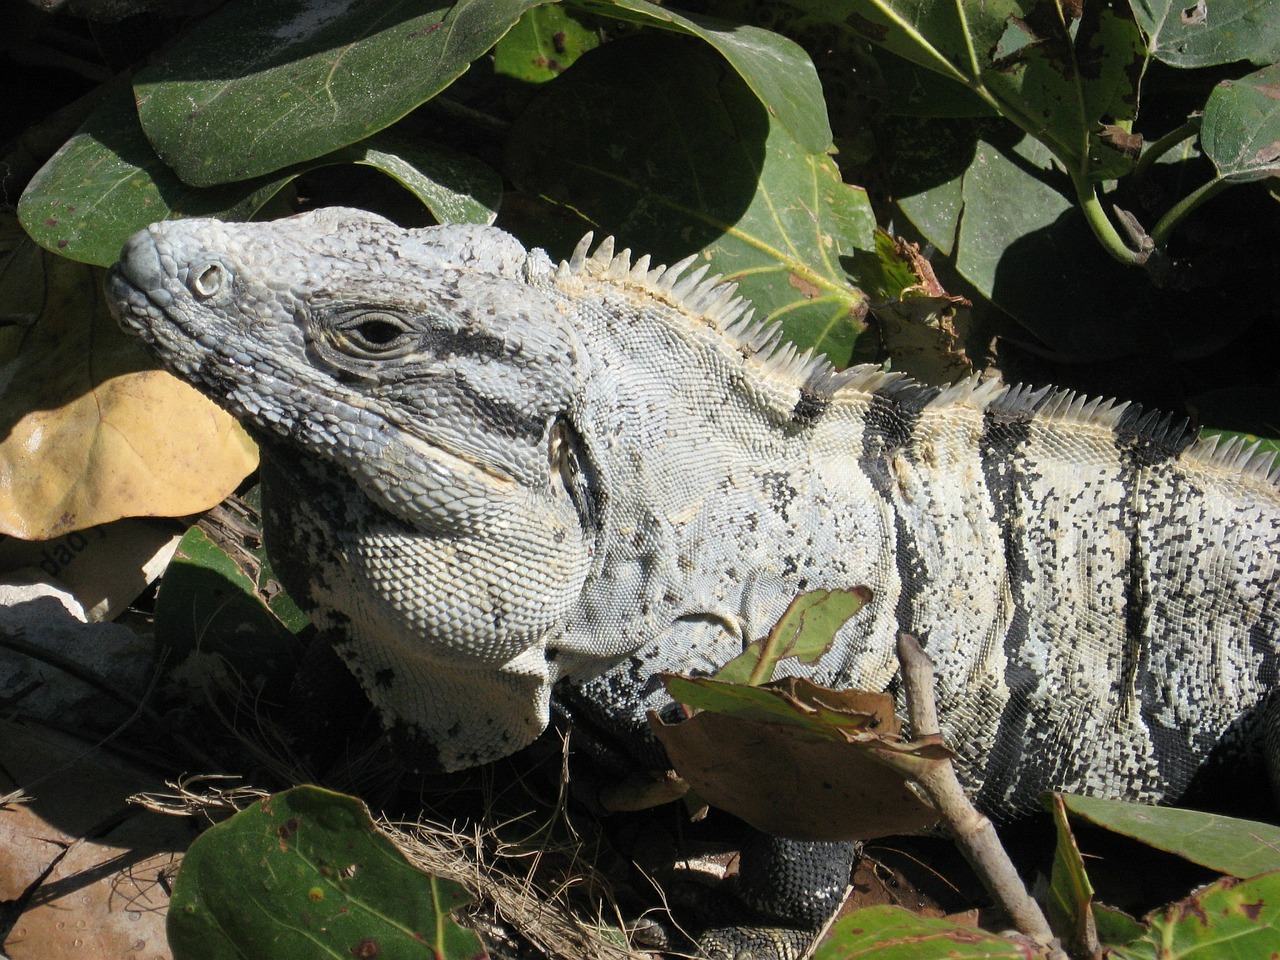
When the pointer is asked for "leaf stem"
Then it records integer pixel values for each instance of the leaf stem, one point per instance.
(1160, 147)
(1102, 226)
(1162, 229)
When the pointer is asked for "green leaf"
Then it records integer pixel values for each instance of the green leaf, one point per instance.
(892, 933)
(927, 163)
(685, 160)
(741, 701)
(1241, 128)
(1070, 899)
(1115, 927)
(808, 709)
(1055, 76)
(456, 188)
(1228, 920)
(106, 182)
(1241, 848)
(305, 873)
(222, 599)
(1062, 86)
(542, 44)
(1205, 33)
(1022, 243)
(910, 90)
(776, 69)
(805, 631)
(260, 85)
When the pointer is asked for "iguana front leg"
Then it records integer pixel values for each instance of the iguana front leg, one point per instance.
(798, 884)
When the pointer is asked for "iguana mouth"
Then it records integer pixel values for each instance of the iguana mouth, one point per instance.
(132, 307)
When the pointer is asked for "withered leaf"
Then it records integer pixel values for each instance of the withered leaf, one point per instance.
(90, 431)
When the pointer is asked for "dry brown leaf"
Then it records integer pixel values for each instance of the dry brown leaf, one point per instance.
(106, 897)
(852, 710)
(789, 785)
(89, 432)
(924, 328)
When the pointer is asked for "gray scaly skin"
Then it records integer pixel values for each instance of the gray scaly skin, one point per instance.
(488, 474)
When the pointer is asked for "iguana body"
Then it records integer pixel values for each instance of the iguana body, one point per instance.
(489, 474)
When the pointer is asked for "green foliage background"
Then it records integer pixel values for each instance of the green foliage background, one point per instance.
(1052, 152)
(1056, 159)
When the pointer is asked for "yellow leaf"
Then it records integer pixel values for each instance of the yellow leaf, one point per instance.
(89, 430)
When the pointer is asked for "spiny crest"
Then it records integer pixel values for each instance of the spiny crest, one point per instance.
(1054, 405)
(971, 390)
(1170, 434)
(870, 378)
(1237, 455)
(701, 298)
(697, 297)
(901, 388)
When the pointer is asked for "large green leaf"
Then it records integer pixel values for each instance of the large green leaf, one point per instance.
(1228, 920)
(892, 933)
(106, 182)
(1241, 128)
(1226, 844)
(1056, 75)
(686, 160)
(305, 873)
(780, 72)
(262, 84)
(1210, 32)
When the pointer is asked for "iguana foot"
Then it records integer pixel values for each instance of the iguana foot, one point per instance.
(797, 884)
(755, 943)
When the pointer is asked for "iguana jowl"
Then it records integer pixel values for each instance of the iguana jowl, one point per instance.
(485, 473)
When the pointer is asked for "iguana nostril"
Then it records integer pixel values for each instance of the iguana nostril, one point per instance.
(207, 279)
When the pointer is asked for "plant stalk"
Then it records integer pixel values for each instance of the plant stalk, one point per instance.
(1160, 147)
(1160, 232)
(1103, 228)
(972, 832)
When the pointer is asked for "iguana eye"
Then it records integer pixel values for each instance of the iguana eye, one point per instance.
(376, 334)
(379, 332)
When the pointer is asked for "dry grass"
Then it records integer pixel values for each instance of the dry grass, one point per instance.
(502, 863)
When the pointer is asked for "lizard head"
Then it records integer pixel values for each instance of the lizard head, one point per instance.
(421, 372)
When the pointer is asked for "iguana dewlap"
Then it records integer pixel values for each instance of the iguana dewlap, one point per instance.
(486, 473)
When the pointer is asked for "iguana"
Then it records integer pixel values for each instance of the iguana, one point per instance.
(493, 479)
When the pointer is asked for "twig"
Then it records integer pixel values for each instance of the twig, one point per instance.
(972, 832)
